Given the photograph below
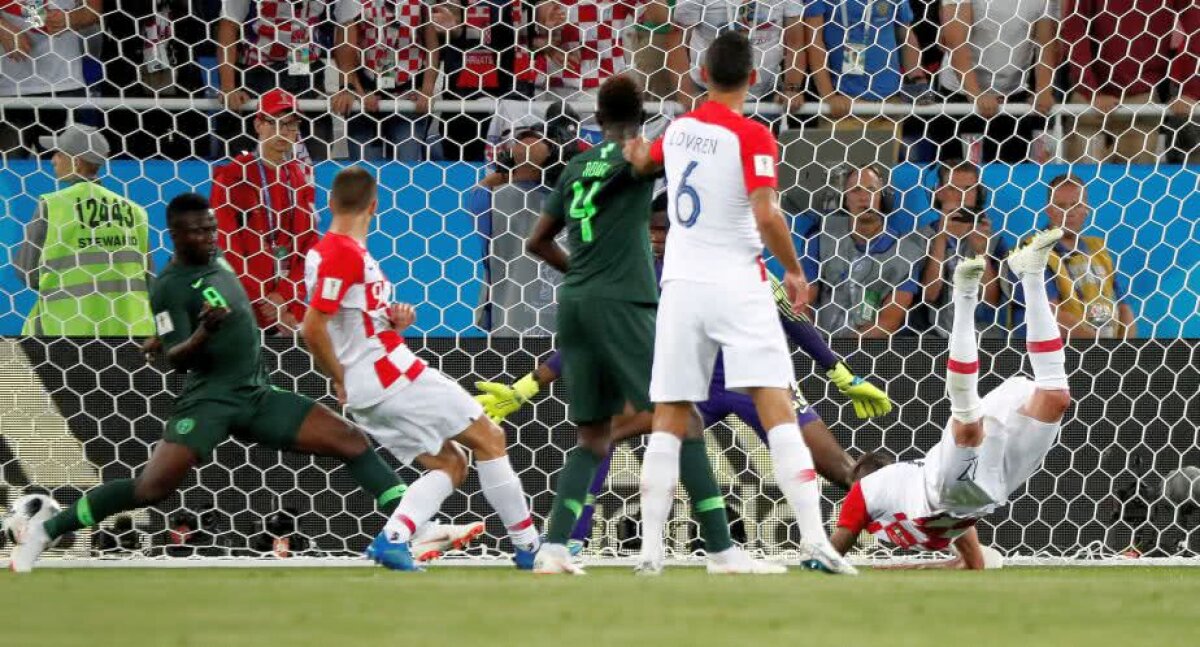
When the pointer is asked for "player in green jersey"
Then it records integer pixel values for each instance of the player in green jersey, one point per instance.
(206, 327)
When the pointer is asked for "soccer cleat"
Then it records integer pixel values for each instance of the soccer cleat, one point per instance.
(553, 559)
(435, 539)
(392, 555)
(968, 274)
(822, 557)
(736, 561)
(575, 547)
(1031, 258)
(31, 543)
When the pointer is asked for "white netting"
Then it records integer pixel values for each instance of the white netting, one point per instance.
(464, 125)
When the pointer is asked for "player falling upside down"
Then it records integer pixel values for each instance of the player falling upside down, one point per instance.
(606, 313)
(832, 462)
(207, 328)
(990, 446)
(722, 189)
(411, 409)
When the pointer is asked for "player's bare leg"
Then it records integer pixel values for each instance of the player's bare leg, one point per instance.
(168, 466)
(501, 487)
(796, 475)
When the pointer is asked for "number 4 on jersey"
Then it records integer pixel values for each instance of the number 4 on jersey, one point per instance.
(583, 208)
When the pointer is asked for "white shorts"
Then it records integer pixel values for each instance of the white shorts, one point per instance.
(1014, 444)
(421, 417)
(696, 320)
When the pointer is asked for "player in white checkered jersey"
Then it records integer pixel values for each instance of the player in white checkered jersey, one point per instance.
(989, 448)
(724, 203)
(411, 409)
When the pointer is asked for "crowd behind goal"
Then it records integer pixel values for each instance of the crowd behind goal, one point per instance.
(913, 134)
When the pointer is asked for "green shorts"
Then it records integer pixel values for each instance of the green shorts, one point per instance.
(607, 351)
(264, 415)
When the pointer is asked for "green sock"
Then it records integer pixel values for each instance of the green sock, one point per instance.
(374, 476)
(573, 482)
(100, 502)
(708, 506)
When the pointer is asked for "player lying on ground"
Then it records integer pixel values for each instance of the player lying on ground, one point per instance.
(206, 327)
(990, 446)
(411, 409)
(721, 183)
(606, 315)
(832, 462)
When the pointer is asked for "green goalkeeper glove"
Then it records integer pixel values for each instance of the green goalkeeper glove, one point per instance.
(501, 400)
(869, 400)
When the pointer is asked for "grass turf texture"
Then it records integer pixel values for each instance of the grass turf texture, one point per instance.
(489, 607)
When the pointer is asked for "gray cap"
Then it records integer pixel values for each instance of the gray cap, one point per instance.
(80, 141)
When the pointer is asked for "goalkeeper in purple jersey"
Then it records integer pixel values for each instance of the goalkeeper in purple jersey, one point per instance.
(831, 461)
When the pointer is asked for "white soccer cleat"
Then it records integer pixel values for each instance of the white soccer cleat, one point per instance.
(554, 559)
(435, 539)
(31, 543)
(1031, 258)
(822, 557)
(736, 561)
(968, 274)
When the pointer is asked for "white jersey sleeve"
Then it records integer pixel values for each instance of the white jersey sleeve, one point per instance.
(714, 159)
(346, 283)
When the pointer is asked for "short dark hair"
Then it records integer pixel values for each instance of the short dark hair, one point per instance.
(353, 190)
(619, 102)
(185, 203)
(868, 463)
(946, 168)
(1065, 178)
(729, 61)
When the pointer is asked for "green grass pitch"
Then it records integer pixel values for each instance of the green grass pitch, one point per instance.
(1129, 607)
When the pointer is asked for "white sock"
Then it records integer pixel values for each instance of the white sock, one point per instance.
(1042, 337)
(962, 370)
(503, 492)
(420, 502)
(660, 473)
(796, 477)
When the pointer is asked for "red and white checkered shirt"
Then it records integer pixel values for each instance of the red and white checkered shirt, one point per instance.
(590, 41)
(283, 25)
(392, 37)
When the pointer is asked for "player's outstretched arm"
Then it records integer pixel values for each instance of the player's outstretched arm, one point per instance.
(637, 153)
(315, 331)
(768, 216)
(970, 552)
(843, 539)
(499, 401)
(187, 353)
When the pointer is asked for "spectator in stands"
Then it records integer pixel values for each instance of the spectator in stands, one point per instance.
(86, 249)
(649, 40)
(122, 537)
(477, 55)
(1120, 54)
(992, 46)
(864, 278)
(1082, 283)
(282, 49)
(41, 55)
(963, 229)
(399, 43)
(150, 50)
(264, 206)
(858, 56)
(776, 28)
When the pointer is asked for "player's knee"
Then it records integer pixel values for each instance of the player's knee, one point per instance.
(456, 466)
(968, 434)
(1055, 403)
(491, 443)
(152, 490)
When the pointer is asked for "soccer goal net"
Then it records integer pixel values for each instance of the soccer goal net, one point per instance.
(911, 133)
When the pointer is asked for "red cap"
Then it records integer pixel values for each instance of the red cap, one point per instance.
(275, 103)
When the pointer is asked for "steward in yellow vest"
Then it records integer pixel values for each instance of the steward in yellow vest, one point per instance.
(86, 250)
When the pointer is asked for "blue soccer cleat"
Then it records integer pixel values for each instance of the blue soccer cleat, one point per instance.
(524, 559)
(393, 555)
(575, 547)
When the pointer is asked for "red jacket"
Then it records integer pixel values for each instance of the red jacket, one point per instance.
(1125, 45)
(251, 234)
